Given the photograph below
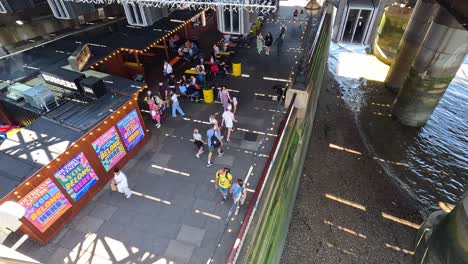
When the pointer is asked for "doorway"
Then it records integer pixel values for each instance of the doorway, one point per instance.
(358, 18)
(230, 20)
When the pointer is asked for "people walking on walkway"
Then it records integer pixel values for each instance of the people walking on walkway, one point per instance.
(302, 18)
(224, 97)
(228, 119)
(268, 43)
(214, 143)
(198, 141)
(122, 184)
(163, 93)
(295, 14)
(223, 182)
(283, 29)
(259, 43)
(171, 82)
(167, 69)
(214, 122)
(155, 112)
(239, 194)
(149, 97)
(176, 105)
(279, 44)
(234, 103)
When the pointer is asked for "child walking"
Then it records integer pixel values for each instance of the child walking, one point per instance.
(198, 141)
(155, 113)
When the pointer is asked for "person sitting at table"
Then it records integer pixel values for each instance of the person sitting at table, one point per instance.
(223, 68)
(181, 51)
(183, 79)
(192, 54)
(188, 44)
(172, 44)
(193, 92)
(201, 77)
(195, 48)
(200, 67)
(193, 80)
(216, 51)
(214, 69)
(182, 88)
(176, 38)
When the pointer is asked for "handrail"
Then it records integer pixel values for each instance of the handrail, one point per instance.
(234, 253)
(281, 170)
(317, 36)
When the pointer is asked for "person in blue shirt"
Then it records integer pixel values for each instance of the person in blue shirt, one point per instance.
(214, 142)
(239, 193)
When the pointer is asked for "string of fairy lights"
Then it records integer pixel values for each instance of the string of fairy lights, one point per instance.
(258, 6)
(26, 187)
(149, 47)
(117, 112)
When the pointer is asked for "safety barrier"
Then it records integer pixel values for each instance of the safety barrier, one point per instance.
(264, 229)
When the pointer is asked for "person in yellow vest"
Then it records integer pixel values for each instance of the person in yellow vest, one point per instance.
(223, 182)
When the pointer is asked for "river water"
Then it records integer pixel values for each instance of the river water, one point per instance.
(435, 156)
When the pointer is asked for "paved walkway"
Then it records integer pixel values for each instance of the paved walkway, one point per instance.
(175, 214)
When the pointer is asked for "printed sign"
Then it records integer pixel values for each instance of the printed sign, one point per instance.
(130, 129)
(76, 176)
(45, 204)
(109, 148)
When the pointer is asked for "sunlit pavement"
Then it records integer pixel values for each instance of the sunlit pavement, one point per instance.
(175, 214)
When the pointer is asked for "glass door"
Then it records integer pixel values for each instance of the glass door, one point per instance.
(357, 25)
(230, 20)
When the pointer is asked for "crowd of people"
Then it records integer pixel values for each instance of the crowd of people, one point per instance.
(168, 96)
(264, 43)
(220, 127)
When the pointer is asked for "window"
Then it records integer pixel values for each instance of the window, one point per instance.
(135, 14)
(2, 8)
(59, 9)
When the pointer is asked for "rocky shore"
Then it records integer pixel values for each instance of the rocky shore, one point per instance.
(347, 209)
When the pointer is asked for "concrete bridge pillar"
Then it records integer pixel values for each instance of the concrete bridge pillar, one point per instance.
(435, 64)
(414, 34)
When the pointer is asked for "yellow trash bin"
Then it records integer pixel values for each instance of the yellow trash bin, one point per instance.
(208, 95)
(236, 69)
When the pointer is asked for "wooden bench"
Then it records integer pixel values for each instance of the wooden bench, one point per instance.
(175, 60)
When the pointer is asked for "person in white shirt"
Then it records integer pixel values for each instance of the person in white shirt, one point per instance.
(216, 51)
(214, 121)
(228, 119)
(198, 141)
(234, 103)
(122, 185)
(176, 106)
(167, 69)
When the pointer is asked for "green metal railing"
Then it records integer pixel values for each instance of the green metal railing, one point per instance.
(263, 233)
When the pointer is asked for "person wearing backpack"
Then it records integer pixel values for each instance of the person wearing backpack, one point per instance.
(214, 143)
(223, 182)
(239, 193)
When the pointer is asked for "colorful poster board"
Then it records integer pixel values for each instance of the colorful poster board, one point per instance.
(131, 130)
(44, 205)
(109, 148)
(76, 176)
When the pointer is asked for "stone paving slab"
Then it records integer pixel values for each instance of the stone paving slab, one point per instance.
(179, 251)
(103, 211)
(191, 235)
